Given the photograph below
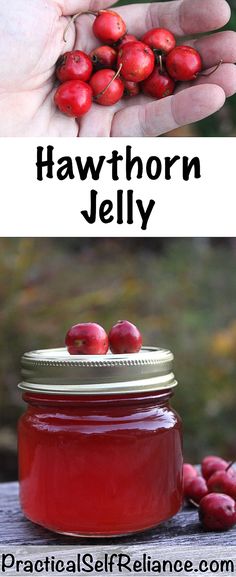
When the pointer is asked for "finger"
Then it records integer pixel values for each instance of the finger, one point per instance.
(182, 17)
(98, 122)
(217, 47)
(71, 7)
(85, 39)
(225, 77)
(161, 116)
(59, 126)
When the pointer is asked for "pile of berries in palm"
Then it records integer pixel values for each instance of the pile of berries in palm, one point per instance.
(213, 492)
(122, 66)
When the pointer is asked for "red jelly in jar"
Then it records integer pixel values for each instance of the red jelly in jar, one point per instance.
(100, 449)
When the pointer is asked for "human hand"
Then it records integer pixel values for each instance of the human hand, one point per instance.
(31, 41)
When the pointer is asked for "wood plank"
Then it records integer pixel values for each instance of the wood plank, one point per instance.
(183, 530)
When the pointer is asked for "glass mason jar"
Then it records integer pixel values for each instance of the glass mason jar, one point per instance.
(100, 448)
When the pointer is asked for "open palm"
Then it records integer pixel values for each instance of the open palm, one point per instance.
(31, 41)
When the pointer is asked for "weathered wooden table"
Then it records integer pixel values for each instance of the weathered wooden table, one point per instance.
(183, 530)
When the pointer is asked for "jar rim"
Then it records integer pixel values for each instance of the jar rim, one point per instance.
(55, 371)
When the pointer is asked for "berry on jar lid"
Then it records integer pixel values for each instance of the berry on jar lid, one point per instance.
(124, 337)
(87, 339)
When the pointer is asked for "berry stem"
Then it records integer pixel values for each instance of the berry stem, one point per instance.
(109, 84)
(193, 503)
(159, 58)
(214, 70)
(160, 63)
(74, 18)
(229, 466)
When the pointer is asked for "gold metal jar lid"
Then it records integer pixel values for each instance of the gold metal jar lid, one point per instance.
(55, 371)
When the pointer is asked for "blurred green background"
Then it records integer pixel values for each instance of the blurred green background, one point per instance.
(181, 293)
(224, 122)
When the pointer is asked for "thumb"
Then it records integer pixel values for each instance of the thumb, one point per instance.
(71, 7)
